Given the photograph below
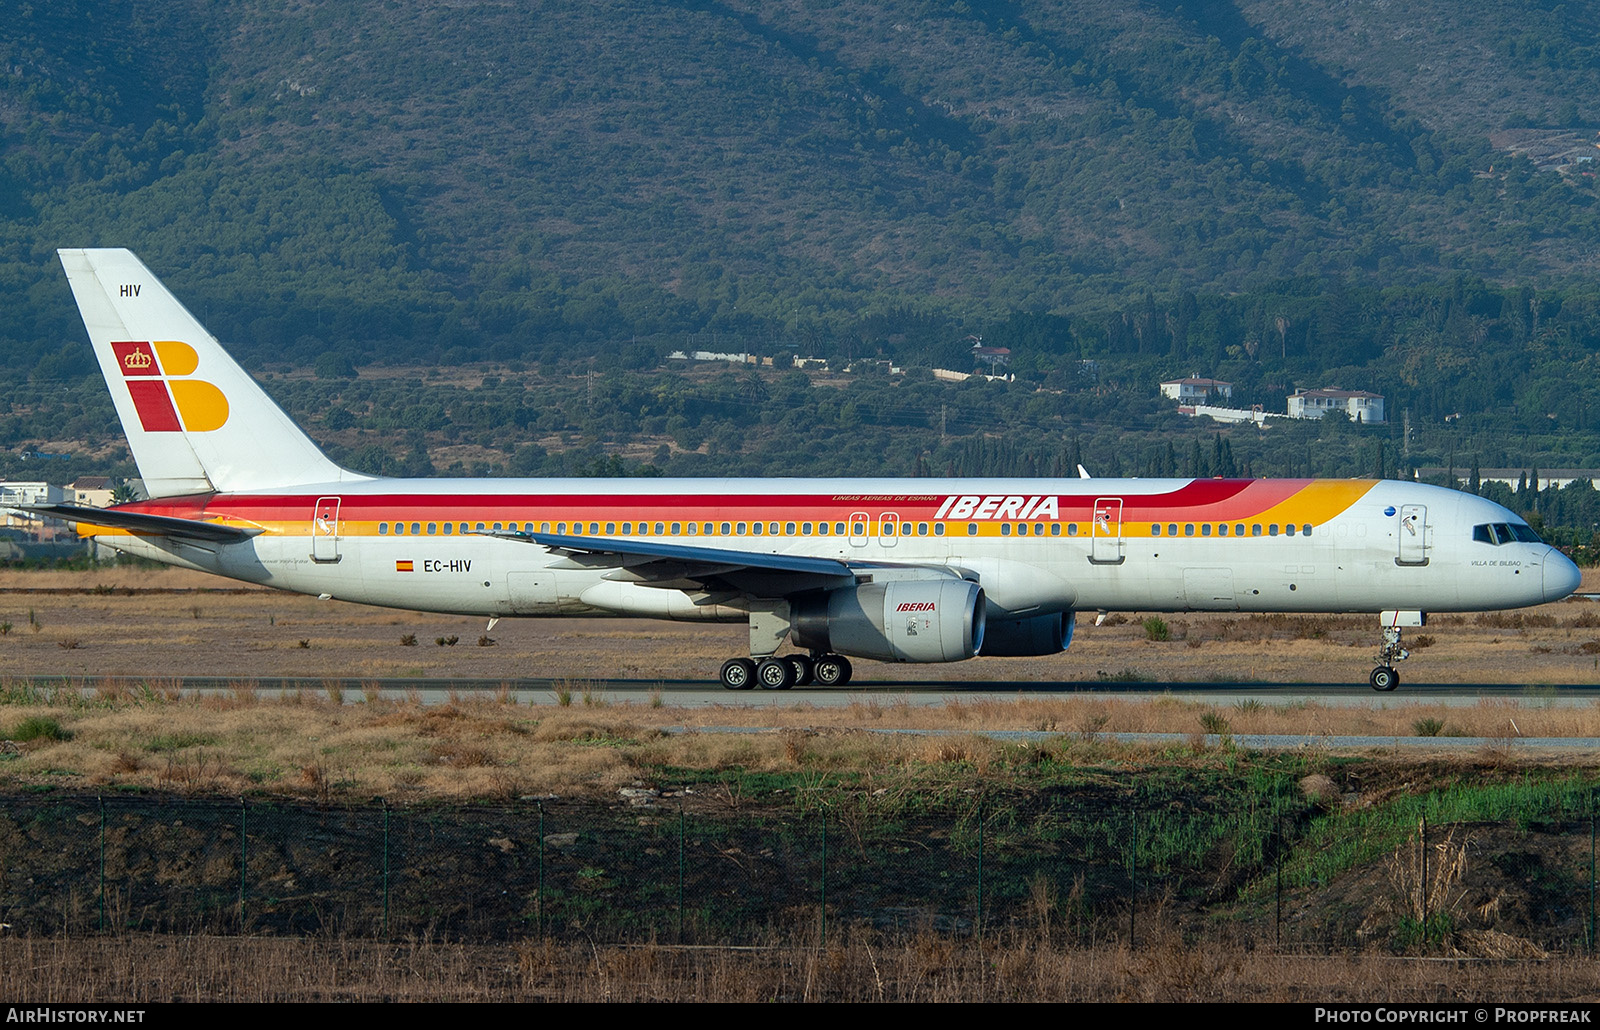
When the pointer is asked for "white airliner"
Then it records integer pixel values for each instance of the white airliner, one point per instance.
(897, 570)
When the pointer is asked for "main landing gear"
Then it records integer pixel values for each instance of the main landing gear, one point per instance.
(1384, 677)
(780, 673)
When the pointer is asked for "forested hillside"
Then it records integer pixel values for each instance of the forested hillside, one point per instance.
(1273, 193)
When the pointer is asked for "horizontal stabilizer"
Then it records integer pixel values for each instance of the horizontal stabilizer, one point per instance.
(137, 522)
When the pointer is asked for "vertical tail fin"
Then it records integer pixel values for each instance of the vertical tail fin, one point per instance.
(195, 421)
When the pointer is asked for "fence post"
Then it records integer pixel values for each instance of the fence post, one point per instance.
(682, 834)
(538, 908)
(385, 868)
(978, 918)
(102, 802)
(1277, 928)
(1592, 791)
(822, 905)
(1422, 844)
(243, 858)
(1133, 879)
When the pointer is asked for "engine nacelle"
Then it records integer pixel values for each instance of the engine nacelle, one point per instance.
(1027, 638)
(914, 620)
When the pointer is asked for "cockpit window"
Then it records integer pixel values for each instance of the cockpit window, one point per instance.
(1504, 533)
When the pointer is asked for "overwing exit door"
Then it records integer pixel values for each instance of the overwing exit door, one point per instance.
(1105, 533)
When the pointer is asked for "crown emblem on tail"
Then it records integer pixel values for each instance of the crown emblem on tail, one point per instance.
(138, 359)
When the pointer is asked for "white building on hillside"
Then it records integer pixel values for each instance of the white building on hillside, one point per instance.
(1195, 390)
(1360, 405)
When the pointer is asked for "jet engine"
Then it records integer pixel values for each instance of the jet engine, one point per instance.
(913, 620)
(1026, 638)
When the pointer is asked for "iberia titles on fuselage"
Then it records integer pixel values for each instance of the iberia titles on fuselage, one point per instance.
(894, 570)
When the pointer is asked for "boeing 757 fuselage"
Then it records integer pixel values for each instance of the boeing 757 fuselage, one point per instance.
(908, 570)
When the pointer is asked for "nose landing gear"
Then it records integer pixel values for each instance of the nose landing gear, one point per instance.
(1384, 677)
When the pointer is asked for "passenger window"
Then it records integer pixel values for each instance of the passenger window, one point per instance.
(756, 528)
(838, 528)
(1005, 529)
(772, 529)
(660, 527)
(627, 528)
(1155, 529)
(544, 527)
(497, 528)
(692, 528)
(1255, 529)
(938, 529)
(383, 529)
(1205, 529)
(1172, 529)
(416, 527)
(464, 528)
(1238, 529)
(905, 529)
(1072, 529)
(857, 529)
(1222, 530)
(1289, 529)
(972, 529)
(805, 529)
(788, 529)
(1305, 530)
(561, 528)
(742, 528)
(1188, 529)
(433, 528)
(677, 529)
(888, 528)
(447, 528)
(1272, 530)
(1055, 529)
(726, 528)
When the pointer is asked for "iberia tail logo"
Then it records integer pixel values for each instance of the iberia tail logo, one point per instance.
(167, 401)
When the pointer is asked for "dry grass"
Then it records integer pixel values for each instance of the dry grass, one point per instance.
(246, 631)
(487, 747)
(138, 970)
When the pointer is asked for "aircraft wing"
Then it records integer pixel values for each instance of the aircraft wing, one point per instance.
(138, 522)
(678, 567)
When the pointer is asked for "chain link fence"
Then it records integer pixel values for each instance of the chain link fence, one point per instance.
(678, 870)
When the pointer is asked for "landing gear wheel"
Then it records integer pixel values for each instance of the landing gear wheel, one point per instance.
(1385, 678)
(775, 673)
(804, 670)
(831, 670)
(738, 674)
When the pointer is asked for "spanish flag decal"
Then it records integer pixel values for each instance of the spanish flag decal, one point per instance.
(402, 566)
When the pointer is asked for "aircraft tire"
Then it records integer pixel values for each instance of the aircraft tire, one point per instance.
(831, 670)
(738, 674)
(1385, 679)
(775, 673)
(804, 670)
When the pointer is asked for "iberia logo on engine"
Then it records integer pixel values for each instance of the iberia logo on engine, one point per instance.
(916, 606)
(155, 372)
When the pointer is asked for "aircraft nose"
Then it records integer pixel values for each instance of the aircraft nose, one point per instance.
(1561, 577)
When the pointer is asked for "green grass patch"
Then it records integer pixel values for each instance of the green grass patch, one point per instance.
(169, 742)
(38, 727)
